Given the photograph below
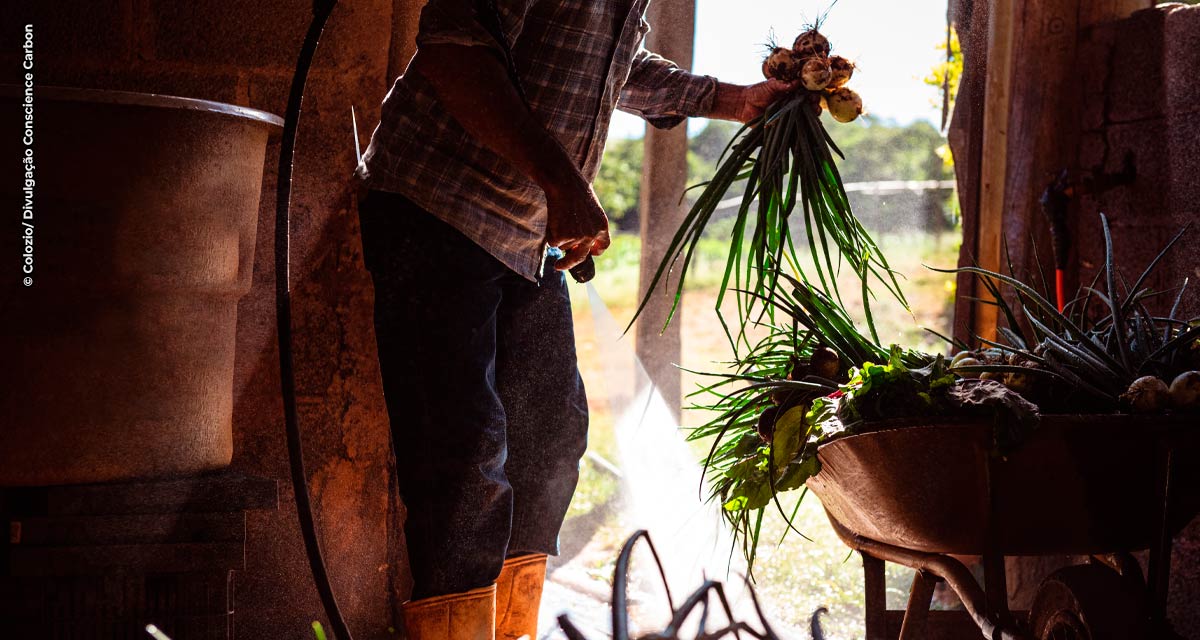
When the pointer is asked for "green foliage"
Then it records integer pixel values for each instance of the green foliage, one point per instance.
(782, 158)
(766, 430)
(712, 140)
(893, 390)
(874, 149)
(946, 75)
(878, 150)
(618, 183)
(773, 412)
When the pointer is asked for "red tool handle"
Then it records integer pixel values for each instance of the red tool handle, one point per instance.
(1060, 289)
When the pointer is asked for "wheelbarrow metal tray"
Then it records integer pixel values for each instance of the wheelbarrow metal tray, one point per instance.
(1078, 485)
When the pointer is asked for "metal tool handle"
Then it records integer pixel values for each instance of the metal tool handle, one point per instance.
(584, 271)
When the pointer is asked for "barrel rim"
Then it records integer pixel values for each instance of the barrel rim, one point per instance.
(133, 98)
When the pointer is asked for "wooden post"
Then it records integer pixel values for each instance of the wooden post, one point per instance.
(875, 597)
(664, 178)
(990, 228)
(1031, 127)
(965, 136)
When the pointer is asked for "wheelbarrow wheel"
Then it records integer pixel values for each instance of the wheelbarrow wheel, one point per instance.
(1087, 602)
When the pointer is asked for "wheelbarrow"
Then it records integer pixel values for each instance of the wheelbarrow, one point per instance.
(1096, 486)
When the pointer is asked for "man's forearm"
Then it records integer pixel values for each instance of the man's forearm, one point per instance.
(728, 102)
(745, 103)
(475, 88)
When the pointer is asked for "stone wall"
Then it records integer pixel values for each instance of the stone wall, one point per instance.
(1141, 82)
(243, 53)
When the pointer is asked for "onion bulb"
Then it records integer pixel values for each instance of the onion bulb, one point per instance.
(965, 361)
(958, 357)
(782, 64)
(1185, 390)
(766, 423)
(840, 69)
(825, 364)
(844, 104)
(815, 74)
(811, 43)
(1147, 394)
(1020, 382)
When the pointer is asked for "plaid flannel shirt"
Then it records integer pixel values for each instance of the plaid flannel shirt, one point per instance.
(577, 60)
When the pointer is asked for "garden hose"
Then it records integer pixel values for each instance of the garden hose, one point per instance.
(283, 312)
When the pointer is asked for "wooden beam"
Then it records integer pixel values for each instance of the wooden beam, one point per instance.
(664, 178)
(994, 162)
(965, 136)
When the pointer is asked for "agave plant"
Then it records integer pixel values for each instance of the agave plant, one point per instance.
(784, 157)
(1088, 355)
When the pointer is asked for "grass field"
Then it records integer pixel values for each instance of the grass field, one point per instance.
(799, 575)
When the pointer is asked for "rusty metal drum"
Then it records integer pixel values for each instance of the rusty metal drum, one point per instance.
(120, 352)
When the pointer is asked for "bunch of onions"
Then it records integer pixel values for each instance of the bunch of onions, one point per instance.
(823, 75)
(784, 157)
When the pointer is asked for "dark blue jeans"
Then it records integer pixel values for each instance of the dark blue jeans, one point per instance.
(487, 408)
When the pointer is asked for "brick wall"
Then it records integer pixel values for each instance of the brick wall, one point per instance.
(243, 53)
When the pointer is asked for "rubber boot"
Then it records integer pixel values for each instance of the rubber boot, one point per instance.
(458, 616)
(518, 596)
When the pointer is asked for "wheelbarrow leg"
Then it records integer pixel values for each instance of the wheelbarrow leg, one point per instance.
(1159, 577)
(916, 615)
(995, 588)
(876, 597)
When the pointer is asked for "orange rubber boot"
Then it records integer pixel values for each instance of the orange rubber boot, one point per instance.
(518, 596)
(458, 616)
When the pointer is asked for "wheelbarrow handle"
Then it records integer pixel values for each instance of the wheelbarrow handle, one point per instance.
(954, 572)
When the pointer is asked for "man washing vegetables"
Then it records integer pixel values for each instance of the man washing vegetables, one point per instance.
(483, 158)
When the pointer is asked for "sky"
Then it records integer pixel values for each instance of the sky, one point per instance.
(893, 42)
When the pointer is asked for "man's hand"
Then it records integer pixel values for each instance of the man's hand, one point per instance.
(576, 222)
(745, 103)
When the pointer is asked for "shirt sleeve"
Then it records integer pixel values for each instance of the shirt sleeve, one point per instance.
(662, 93)
(461, 22)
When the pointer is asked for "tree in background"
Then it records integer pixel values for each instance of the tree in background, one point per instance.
(619, 181)
(883, 150)
(945, 78)
(875, 150)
